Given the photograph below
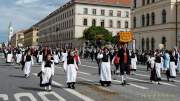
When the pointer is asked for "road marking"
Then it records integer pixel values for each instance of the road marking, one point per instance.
(137, 86)
(89, 66)
(84, 73)
(4, 97)
(29, 95)
(81, 96)
(149, 76)
(44, 98)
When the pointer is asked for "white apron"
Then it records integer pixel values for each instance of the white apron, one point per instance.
(18, 58)
(172, 69)
(40, 58)
(9, 58)
(27, 67)
(133, 63)
(56, 58)
(71, 73)
(105, 71)
(158, 69)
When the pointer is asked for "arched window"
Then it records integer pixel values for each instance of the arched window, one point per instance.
(152, 18)
(147, 44)
(164, 16)
(152, 44)
(134, 22)
(143, 2)
(153, 1)
(164, 41)
(147, 19)
(94, 22)
(148, 1)
(142, 44)
(135, 3)
(143, 20)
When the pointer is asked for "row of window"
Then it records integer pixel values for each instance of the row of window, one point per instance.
(144, 2)
(102, 23)
(146, 19)
(61, 36)
(60, 17)
(151, 43)
(103, 12)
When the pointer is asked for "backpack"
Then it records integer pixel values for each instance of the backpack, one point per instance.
(116, 60)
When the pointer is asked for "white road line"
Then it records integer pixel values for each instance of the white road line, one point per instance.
(152, 82)
(4, 97)
(29, 95)
(149, 76)
(89, 66)
(81, 96)
(137, 86)
(44, 98)
(84, 73)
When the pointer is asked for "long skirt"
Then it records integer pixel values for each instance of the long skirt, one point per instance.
(133, 64)
(56, 59)
(9, 58)
(18, 58)
(105, 72)
(40, 58)
(155, 72)
(171, 72)
(27, 67)
(46, 76)
(71, 73)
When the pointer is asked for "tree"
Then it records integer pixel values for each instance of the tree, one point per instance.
(94, 33)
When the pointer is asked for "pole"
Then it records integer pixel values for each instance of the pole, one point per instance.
(176, 23)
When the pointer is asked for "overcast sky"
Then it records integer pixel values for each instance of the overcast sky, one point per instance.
(24, 13)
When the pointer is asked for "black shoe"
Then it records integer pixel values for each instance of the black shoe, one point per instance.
(73, 87)
(125, 82)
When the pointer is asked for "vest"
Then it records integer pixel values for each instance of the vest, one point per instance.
(105, 57)
(28, 58)
(48, 64)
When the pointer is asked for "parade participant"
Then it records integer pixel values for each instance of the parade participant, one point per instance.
(9, 58)
(166, 60)
(18, 57)
(99, 56)
(125, 63)
(156, 70)
(148, 62)
(171, 72)
(28, 59)
(40, 56)
(56, 57)
(71, 69)
(47, 70)
(105, 75)
(133, 62)
(176, 56)
(76, 57)
(115, 62)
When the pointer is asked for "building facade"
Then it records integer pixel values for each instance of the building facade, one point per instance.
(31, 37)
(65, 26)
(154, 22)
(17, 40)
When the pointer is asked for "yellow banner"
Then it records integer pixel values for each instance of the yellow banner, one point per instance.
(125, 37)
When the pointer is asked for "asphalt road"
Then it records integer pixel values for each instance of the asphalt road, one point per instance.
(14, 87)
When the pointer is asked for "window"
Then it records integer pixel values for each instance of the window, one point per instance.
(147, 19)
(110, 12)
(164, 16)
(126, 24)
(102, 23)
(143, 2)
(94, 22)
(153, 18)
(147, 44)
(153, 1)
(85, 11)
(148, 1)
(118, 24)
(143, 20)
(102, 12)
(164, 41)
(134, 22)
(142, 43)
(110, 23)
(127, 14)
(94, 11)
(119, 13)
(85, 22)
(152, 44)
(135, 3)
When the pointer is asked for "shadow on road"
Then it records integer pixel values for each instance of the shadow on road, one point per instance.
(31, 88)
(17, 76)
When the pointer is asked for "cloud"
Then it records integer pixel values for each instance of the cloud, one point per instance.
(22, 2)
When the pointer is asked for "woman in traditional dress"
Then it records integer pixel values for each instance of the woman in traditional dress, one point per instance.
(47, 69)
(156, 70)
(71, 69)
(18, 57)
(115, 62)
(28, 64)
(133, 62)
(171, 72)
(40, 57)
(105, 75)
(56, 57)
(9, 57)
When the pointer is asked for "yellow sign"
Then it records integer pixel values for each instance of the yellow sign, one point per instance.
(125, 37)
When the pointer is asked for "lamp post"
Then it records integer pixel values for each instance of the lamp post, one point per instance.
(176, 22)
